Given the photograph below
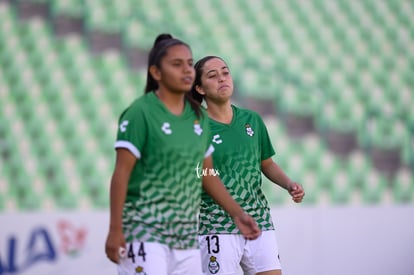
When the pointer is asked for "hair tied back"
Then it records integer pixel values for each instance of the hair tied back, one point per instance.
(162, 37)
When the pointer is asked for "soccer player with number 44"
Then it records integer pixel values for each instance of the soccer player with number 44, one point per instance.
(155, 192)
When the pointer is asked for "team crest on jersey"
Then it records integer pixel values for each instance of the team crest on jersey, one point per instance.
(213, 265)
(249, 129)
(166, 128)
(197, 128)
(139, 270)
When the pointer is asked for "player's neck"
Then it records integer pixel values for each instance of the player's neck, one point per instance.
(221, 112)
(174, 102)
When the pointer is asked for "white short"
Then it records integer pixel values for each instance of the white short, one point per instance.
(154, 258)
(226, 253)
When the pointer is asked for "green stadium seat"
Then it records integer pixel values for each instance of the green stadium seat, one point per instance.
(341, 188)
(21, 188)
(358, 167)
(274, 194)
(57, 184)
(312, 187)
(72, 8)
(313, 151)
(97, 16)
(407, 153)
(403, 186)
(373, 188)
(385, 133)
(293, 98)
(135, 34)
(328, 167)
(94, 189)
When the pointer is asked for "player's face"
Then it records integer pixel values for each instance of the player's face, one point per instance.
(216, 79)
(177, 73)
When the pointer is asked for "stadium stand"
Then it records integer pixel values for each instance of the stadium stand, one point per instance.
(333, 80)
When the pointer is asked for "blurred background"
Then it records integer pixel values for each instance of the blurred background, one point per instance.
(333, 80)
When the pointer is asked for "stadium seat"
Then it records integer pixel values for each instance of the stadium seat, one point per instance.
(408, 151)
(313, 189)
(58, 184)
(385, 133)
(358, 167)
(274, 194)
(136, 35)
(21, 186)
(328, 167)
(373, 187)
(403, 186)
(341, 188)
(67, 7)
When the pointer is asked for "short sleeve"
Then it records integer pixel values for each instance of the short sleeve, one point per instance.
(266, 146)
(132, 131)
(208, 147)
(210, 151)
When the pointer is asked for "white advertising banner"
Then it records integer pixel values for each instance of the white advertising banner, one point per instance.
(54, 243)
(312, 241)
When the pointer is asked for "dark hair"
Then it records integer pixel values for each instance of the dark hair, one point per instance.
(161, 44)
(199, 66)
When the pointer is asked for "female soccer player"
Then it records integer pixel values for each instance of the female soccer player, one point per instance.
(162, 151)
(242, 152)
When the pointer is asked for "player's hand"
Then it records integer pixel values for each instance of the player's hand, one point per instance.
(247, 226)
(114, 241)
(296, 191)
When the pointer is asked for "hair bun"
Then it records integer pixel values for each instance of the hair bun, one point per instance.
(162, 37)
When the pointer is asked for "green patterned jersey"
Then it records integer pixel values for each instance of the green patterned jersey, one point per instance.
(239, 149)
(164, 190)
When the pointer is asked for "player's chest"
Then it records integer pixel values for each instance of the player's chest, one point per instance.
(235, 137)
(177, 133)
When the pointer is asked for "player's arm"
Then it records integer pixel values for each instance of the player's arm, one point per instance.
(216, 189)
(124, 164)
(275, 174)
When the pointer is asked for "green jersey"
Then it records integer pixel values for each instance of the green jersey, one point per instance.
(164, 189)
(239, 149)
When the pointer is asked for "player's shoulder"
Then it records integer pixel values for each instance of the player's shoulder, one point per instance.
(244, 112)
(142, 102)
(139, 105)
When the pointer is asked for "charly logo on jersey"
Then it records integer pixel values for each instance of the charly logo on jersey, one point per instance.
(166, 128)
(213, 265)
(123, 125)
(139, 270)
(217, 139)
(249, 129)
(197, 128)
